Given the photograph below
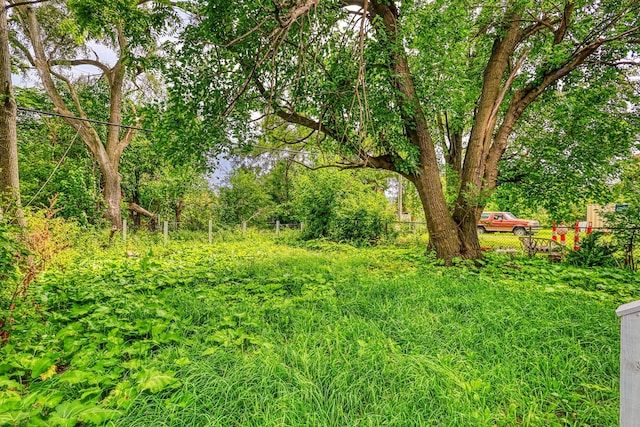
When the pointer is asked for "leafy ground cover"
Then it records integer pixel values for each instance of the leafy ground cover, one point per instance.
(254, 331)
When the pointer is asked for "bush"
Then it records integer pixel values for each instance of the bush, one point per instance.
(593, 252)
(338, 206)
(625, 227)
(12, 250)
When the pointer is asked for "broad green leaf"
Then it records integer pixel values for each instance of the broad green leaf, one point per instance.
(98, 415)
(156, 381)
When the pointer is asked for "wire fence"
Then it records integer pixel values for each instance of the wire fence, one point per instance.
(553, 242)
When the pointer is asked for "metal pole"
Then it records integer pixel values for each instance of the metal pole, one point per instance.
(277, 228)
(210, 231)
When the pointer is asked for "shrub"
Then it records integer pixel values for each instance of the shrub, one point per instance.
(12, 250)
(625, 227)
(340, 207)
(594, 252)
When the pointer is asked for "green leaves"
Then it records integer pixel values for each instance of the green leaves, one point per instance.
(68, 414)
(156, 381)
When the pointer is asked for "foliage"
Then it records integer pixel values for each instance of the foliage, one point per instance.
(49, 234)
(245, 199)
(408, 86)
(174, 191)
(569, 148)
(340, 207)
(55, 162)
(314, 335)
(625, 228)
(11, 251)
(594, 252)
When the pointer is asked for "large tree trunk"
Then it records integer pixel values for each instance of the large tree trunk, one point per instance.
(443, 232)
(9, 177)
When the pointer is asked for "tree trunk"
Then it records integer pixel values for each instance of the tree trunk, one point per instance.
(9, 176)
(178, 212)
(112, 193)
(107, 154)
(140, 211)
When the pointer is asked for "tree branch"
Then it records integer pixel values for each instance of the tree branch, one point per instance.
(72, 92)
(79, 62)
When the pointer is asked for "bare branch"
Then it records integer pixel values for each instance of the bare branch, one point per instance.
(25, 3)
(72, 92)
(564, 23)
(79, 62)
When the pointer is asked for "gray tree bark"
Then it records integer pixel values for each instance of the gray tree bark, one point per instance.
(9, 175)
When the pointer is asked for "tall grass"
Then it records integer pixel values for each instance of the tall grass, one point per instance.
(261, 333)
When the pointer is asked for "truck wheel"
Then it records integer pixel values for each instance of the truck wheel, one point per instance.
(519, 231)
(481, 230)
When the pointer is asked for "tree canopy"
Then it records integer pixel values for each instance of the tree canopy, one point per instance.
(412, 87)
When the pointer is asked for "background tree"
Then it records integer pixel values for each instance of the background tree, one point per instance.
(245, 199)
(378, 82)
(341, 207)
(56, 37)
(569, 148)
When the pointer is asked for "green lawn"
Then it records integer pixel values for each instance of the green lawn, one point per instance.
(253, 332)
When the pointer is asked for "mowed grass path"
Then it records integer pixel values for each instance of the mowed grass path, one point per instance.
(259, 333)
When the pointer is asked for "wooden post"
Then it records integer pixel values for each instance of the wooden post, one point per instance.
(210, 231)
(244, 227)
(400, 210)
(301, 226)
(166, 232)
(277, 228)
(629, 364)
(124, 230)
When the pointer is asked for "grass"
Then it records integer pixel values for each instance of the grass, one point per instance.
(253, 332)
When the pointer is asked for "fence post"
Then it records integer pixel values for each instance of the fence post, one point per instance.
(277, 228)
(124, 230)
(244, 227)
(301, 226)
(166, 232)
(210, 231)
(629, 363)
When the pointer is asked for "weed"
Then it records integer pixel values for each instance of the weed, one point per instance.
(257, 332)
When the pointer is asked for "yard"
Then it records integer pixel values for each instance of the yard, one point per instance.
(250, 330)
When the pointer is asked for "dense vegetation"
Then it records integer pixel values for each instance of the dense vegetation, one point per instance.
(252, 331)
(335, 121)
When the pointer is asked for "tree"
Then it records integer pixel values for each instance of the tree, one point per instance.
(9, 176)
(56, 38)
(245, 199)
(399, 85)
(569, 149)
(54, 162)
